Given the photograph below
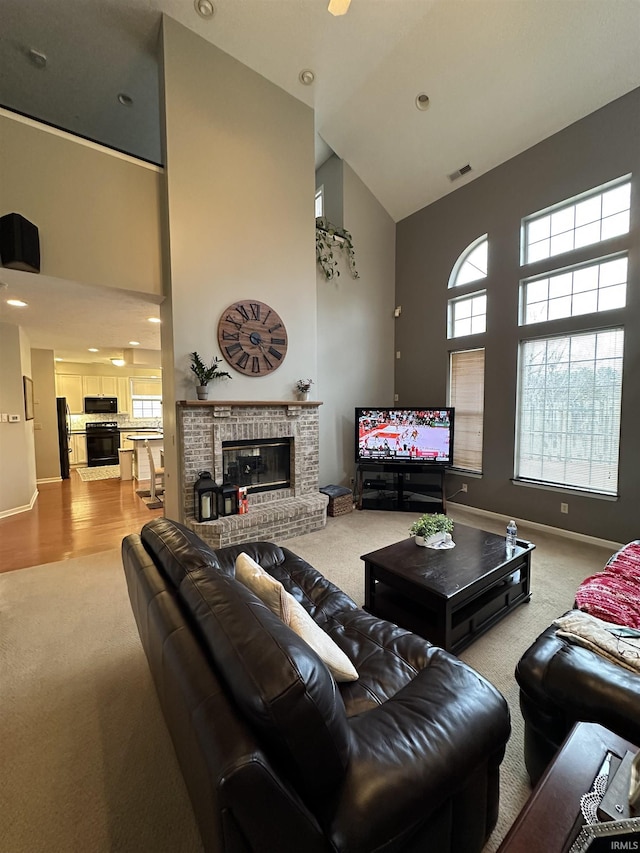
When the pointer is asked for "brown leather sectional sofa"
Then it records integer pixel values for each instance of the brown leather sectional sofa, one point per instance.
(276, 755)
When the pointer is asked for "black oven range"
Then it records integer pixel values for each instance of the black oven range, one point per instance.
(103, 443)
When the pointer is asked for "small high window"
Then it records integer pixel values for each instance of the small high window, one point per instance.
(468, 315)
(472, 264)
(595, 216)
(587, 289)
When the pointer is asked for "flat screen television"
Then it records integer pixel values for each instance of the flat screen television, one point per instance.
(418, 435)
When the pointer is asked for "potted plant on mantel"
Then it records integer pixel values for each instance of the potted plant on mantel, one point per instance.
(303, 386)
(431, 529)
(206, 374)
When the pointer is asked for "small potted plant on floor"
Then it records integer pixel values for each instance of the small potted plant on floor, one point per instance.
(431, 529)
(206, 374)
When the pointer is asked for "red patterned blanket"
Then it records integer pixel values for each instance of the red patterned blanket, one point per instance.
(614, 594)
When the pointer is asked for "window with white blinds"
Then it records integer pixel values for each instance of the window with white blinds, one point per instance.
(466, 394)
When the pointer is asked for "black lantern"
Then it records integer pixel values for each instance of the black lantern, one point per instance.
(228, 499)
(205, 497)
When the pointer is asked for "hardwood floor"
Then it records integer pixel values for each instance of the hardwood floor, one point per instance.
(72, 519)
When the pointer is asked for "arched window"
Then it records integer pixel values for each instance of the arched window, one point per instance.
(472, 263)
(467, 314)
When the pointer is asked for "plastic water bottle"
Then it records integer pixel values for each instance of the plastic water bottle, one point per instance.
(512, 533)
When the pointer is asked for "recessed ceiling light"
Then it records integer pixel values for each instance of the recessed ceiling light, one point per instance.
(125, 100)
(38, 58)
(154, 319)
(205, 8)
(339, 7)
(17, 303)
(306, 76)
(93, 349)
(59, 359)
(118, 362)
(134, 343)
(422, 101)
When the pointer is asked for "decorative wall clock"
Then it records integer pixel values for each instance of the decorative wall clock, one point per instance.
(252, 338)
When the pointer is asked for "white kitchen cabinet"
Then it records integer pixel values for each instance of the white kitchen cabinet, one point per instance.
(124, 395)
(70, 386)
(78, 447)
(100, 386)
(91, 386)
(146, 386)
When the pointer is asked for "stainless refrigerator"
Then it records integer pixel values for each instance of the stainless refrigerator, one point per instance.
(64, 428)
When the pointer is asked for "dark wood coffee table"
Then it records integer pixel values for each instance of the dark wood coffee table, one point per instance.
(551, 819)
(449, 597)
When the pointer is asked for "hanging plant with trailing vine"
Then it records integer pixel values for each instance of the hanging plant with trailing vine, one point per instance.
(328, 238)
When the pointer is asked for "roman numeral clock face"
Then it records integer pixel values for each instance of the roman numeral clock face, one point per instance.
(252, 338)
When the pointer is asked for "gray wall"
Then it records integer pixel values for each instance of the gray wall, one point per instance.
(240, 189)
(330, 176)
(45, 416)
(355, 330)
(97, 211)
(599, 148)
(18, 489)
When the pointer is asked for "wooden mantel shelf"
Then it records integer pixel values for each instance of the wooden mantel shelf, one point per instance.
(228, 403)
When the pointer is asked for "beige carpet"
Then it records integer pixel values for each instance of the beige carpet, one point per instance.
(100, 472)
(86, 763)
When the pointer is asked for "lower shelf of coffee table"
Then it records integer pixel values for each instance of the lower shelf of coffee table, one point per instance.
(468, 622)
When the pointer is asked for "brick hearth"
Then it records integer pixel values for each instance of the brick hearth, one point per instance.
(273, 515)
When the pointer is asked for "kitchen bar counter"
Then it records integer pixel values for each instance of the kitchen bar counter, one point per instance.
(148, 436)
(141, 469)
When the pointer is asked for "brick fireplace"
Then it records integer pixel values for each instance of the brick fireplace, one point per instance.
(276, 514)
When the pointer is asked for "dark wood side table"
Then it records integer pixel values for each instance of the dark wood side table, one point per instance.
(549, 816)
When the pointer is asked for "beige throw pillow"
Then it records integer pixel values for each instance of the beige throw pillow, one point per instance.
(284, 605)
(303, 625)
(268, 589)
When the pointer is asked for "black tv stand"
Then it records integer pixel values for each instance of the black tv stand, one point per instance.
(405, 488)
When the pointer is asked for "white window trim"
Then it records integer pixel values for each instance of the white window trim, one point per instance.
(592, 262)
(566, 203)
(451, 310)
(462, 258)
(524, 480)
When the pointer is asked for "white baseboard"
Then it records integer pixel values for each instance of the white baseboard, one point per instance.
(49, 480)
(16, 510)
(557, 531)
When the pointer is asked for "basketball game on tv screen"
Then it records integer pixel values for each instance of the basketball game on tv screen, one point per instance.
(405, 435)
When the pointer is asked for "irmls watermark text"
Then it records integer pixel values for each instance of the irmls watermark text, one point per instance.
(625, 845)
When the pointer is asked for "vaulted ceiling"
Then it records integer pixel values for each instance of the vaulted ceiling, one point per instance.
(499, 75)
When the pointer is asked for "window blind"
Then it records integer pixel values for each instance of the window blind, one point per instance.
(466, 393)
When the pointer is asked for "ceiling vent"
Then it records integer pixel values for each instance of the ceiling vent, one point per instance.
(459, 173)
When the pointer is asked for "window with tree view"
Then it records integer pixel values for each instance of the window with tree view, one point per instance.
(570, 389)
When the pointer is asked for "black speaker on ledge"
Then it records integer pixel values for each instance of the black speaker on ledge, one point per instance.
(19, 243)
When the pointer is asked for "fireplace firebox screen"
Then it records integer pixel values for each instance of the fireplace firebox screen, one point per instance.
(260, 465)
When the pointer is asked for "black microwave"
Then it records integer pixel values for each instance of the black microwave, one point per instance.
(101, 405)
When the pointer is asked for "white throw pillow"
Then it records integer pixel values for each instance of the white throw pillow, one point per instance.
(269, 590)
(297, 618)
(280, 602)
